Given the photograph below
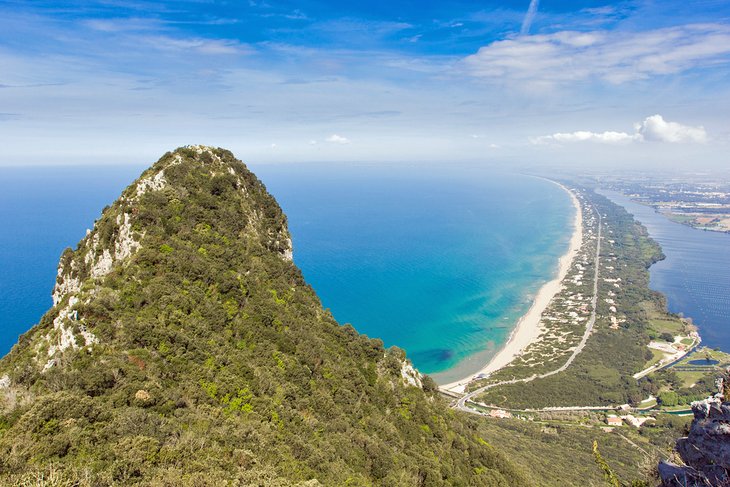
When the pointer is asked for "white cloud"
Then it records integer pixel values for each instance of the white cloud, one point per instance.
(653, 128)
(613, 56)
(658, 129)
(337, 139)
(586, 136)
(200, 45)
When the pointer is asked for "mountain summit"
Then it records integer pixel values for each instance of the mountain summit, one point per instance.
(185, 348)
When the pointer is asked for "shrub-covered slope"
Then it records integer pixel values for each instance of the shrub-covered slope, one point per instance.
(185, 348)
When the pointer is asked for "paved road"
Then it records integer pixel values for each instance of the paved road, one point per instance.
(461, 402)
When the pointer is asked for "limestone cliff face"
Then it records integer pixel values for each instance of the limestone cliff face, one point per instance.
(705, 451)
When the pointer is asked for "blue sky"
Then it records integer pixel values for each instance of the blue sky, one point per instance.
(587, 83)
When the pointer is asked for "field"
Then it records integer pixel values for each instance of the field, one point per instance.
(718, 222)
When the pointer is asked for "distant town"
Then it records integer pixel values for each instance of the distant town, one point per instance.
(698, 200)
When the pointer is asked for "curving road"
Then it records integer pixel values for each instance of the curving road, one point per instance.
(461, 402)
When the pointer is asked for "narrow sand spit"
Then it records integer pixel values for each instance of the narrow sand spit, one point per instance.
(528, 328)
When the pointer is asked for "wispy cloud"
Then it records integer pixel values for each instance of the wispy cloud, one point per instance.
(293, 15)
(9, 116)
(123, 24)
(653, 128)
(529, 17)
(612, 56)
(197, 44)
(359, 32)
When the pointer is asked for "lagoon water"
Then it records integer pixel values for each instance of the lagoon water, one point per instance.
(695, 276)
(441, 263)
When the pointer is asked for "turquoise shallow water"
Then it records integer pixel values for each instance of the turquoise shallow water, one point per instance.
(441, 262)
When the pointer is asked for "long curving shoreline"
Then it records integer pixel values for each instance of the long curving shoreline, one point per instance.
(528, 327)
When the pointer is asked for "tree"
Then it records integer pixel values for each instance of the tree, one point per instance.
(668, 398)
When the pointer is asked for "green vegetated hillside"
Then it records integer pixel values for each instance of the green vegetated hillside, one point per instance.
(185, 348)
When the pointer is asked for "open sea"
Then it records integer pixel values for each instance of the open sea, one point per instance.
(440, 261)
(695, 276)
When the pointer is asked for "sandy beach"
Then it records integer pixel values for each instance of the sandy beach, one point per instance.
(528, 327)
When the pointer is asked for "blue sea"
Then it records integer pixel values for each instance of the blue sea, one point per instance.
(439, 260)
(695, 276)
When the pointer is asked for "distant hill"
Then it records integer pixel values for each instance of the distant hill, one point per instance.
(185, 348)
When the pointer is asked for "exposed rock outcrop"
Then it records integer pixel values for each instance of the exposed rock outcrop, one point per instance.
(411, 376)
(705, 451)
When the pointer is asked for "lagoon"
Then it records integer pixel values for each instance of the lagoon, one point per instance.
(695, 276)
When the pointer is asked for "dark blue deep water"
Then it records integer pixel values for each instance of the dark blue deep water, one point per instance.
(43, 211)
(441, 262)
(695, 276)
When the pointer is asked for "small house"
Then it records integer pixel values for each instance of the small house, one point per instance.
(613, 420)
